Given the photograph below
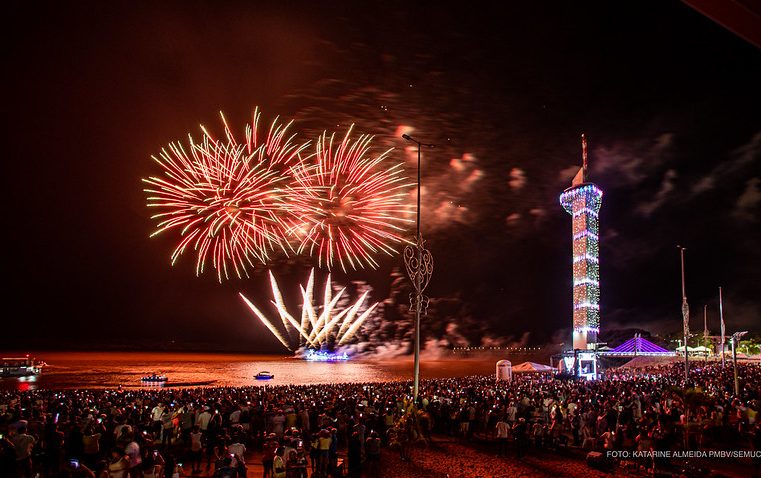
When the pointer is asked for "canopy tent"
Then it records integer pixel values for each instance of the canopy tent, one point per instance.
(689, 349)
(531, 367)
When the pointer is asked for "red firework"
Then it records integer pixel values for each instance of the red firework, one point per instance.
(351, 203)
(224, 198)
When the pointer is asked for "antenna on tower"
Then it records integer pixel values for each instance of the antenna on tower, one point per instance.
(584, 156)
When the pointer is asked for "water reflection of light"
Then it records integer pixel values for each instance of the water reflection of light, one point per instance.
(99, 370)
(322, 356)
(26, 383)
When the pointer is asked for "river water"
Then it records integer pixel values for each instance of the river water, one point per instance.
(111, 369)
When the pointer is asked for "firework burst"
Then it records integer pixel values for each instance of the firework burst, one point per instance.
(335, 324)
(226, 199)
(352, 204)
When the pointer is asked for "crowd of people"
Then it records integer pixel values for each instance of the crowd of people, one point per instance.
(341, 429)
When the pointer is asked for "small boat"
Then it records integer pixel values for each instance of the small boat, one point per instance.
(154, 379)
(264, 376)
(20, 367)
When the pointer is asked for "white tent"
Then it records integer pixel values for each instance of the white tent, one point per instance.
(531, 367)
(504, 370)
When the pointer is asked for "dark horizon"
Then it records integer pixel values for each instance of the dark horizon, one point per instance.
(668, 100)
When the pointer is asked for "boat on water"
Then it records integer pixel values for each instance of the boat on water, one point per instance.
(264, 376)
(154, 378)
(19, 367)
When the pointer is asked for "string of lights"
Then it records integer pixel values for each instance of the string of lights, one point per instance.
(583, 203)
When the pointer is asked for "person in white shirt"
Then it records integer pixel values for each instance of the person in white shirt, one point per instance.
(156, 413)
(203, 419)
(235, 418)
(196, 449)
(23, 444)
(237, 450)
(118, 430)
(512, 411)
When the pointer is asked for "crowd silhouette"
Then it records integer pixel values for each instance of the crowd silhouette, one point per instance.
(346, 429)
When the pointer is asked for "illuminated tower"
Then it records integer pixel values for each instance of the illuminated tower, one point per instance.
(582, 201)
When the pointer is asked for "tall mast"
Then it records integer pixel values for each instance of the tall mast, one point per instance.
(723, 329)
(584, 156)
(705, 329)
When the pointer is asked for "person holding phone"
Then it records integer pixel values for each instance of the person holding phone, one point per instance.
(91, 444)
(152, 463)
(237, 449)
(79, 470)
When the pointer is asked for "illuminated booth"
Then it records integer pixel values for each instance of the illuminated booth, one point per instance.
(579, 364)
(504, 371)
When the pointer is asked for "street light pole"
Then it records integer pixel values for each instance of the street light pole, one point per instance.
(419, 263)
(685, 319)
(723, 330)
(705, 331)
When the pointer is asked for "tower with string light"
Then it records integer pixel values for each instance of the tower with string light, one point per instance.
(582, 201)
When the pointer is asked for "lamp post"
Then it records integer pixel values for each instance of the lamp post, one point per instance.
(705, 331)
(735, 337)
(419, 263)
(685, 319)
(723, 329)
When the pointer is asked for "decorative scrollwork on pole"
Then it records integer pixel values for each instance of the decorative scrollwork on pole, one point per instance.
(419, 263)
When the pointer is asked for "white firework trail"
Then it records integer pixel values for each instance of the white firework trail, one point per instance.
(314, 330)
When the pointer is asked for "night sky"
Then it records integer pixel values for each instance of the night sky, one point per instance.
(670, 102)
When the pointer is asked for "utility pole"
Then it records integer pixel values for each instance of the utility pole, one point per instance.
(685, 319)
(705, 330)
(723, 329)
